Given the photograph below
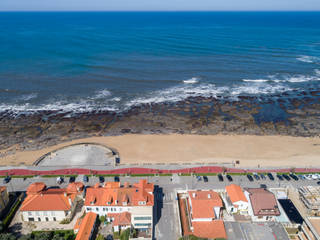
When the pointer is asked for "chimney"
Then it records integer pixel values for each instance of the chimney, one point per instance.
(209, 196)
(70, 202)
(65, 194)
(194, 195)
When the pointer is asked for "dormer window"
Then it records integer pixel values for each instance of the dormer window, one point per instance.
(124, 203)
(142, 202)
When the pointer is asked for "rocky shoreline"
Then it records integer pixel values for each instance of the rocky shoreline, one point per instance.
(291, 113)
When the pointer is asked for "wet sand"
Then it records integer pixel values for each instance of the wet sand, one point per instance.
(251, 151)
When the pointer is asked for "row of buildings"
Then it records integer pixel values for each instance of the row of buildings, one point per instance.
(125, 206)
(201, 210)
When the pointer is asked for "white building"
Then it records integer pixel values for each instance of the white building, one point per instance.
(236, 201)
(42, 204)
(125, 206)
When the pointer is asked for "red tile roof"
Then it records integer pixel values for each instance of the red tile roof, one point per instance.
(114, 194)
(41, 199)
(203, 202)
(86, 226)
(120, 219)
(235, 193)
(212, 230)
(263, 202)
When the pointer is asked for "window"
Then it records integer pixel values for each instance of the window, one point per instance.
(47, 219)
(142, 203)
(53, 213)
(39, 219)
(45, 213)
(142, 218)
(37, 213)
(54, 219)
(30, 213)
(31, 219)
(97, 209)
(143, 224)
(88, 208)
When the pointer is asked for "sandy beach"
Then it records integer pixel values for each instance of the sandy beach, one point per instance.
(251, 151)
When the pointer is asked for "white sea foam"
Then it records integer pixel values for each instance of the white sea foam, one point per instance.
(182, 92)
(58, 106)
(191, 80)
(255, 80)
(317, 72)
(102, 94)
(28, 97)
(116, 99)
(308, 59)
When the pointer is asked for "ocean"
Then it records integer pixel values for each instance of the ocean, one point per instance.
(89, 61)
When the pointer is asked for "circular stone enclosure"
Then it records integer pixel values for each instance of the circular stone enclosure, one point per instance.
(84, 154)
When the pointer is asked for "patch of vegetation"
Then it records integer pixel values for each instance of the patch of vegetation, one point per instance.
(142, 175)
(65, 221)
(165, 174)
(100, 237)
(185, 174)
(125, 234)
(22, 176)
(42, 235)
(6, 221)
(205, 174)
(108, 175)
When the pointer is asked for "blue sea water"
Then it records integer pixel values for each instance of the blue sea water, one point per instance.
(84, 61)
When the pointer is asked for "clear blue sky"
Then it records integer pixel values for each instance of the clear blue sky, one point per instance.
(156, 5)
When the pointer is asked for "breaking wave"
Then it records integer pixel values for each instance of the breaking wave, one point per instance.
(308, 59)
(191, 80)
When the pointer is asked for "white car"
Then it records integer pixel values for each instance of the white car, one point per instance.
(308, 176)
(314, 176)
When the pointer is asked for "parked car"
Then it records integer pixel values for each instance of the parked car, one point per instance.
(198, 178)
(301, 177)
(256, 176)
(60, 180)
(250, 178)
(314, 176)
(72, 179)
(205, 179)
(6, 179)
(85, 178)
(116, 179)
(220, 177)
(270, 176)
(308, 176)
(101, 179)
(263, 186)
(286, 177)
(279, 177)
(294, 177)
(263, 177)
(318, 182)
(229, 178)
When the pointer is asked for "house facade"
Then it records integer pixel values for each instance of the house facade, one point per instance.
(50, 204)
(123, 203)
(263, 204)
(236, 201)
